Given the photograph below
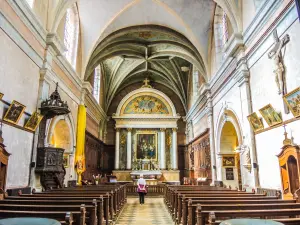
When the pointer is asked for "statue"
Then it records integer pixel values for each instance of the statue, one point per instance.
(277, 57)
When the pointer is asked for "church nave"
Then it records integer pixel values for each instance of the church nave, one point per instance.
(154, 211)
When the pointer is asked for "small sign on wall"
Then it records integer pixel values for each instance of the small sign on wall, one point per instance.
(229, 174)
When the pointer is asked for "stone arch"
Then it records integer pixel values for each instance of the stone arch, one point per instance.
(227, 116)
(232, 12)
(150, 91)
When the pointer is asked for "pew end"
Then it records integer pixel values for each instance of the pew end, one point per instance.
(212, 218)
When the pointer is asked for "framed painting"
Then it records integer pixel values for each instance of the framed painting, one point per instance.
(292, 100)
(270, 115)
(255, 122)
(33, 121)
(146, 145)
(1, 95)
(14, 112)
(229, 174)
(66, 161)
(228, 161)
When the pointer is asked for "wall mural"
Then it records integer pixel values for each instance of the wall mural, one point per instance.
(146, 104)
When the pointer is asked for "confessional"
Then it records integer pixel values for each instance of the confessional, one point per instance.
(3, 165)
(289, 161)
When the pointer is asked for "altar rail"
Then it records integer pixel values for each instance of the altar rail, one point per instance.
(153, 190)
(269, 192)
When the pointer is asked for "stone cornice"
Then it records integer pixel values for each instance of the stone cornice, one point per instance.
(54, 41)
(223, 76)
(235, 42)
(94, 107)
(27, 16)
(69, 71)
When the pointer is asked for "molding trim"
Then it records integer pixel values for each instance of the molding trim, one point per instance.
(18, 39)
(28, 17)
(260, 19)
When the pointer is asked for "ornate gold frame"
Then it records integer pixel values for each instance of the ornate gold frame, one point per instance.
(229, 156)
(269, 106)
(286, 102)
(40, 117)
(20, 115)
(136, 142)
(261, 123)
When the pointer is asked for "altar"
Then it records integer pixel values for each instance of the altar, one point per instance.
(146, 137)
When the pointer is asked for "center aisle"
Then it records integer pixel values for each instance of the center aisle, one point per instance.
(153, 212)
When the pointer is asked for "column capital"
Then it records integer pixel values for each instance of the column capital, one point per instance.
(174, 129)
(162, 129)
(118, 129)
(129, 129)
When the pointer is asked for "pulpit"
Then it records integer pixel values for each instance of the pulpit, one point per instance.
(50, 166)
(289, 159)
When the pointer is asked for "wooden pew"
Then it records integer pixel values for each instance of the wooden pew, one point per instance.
(201, 215)
(87, 216)
(280, 215)
(63, 217)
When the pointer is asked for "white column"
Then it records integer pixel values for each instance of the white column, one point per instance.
(210, 119)
(174, 161)
(128, 166)
(117, 150)
(163, 148)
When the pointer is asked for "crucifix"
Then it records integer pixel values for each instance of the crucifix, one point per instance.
(279, 71)
(146, 83)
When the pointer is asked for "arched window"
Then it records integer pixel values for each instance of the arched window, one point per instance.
(222, 32)
(97, 81)
(30, 3)
(71, 34)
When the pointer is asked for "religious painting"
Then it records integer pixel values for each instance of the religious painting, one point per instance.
(146, 104)
(229, 174)
(66, 161)
(270, 115)
(33, 121)
(255, 122)
(14, 112)
(146, 146)
(228, 161)
(292, 100)
(1, 95)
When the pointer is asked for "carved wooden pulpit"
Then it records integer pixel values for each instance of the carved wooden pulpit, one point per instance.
(289, 159)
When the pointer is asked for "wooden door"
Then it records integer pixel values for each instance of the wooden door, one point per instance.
(293, 174)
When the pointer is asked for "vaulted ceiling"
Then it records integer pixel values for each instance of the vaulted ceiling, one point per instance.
(129, 55)
(135, 39)
(99, 18)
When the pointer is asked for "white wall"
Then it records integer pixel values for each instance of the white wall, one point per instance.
(19, 78)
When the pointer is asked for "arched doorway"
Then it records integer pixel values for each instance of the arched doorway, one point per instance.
(61, 136)
(230, 161)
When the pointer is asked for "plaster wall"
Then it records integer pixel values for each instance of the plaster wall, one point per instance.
(264, 91)
(21, 78)
(249, 11)
(232, 95)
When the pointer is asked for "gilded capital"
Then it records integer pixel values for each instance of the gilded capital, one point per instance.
(163, 129)
(174, 129)
(129, 129)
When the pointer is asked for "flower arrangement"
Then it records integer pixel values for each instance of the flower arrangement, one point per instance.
(97, 178)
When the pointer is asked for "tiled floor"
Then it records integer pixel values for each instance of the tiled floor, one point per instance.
(152, 212)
